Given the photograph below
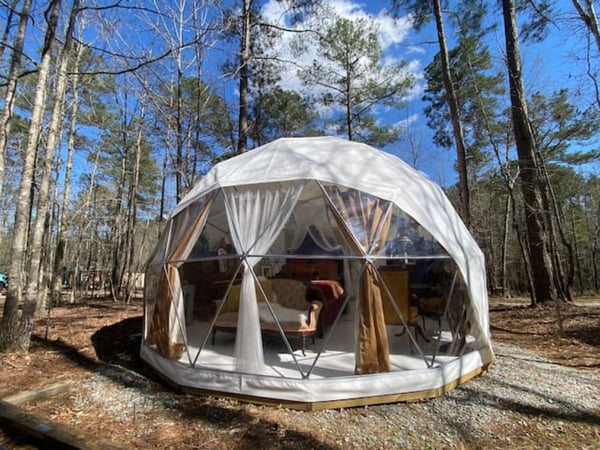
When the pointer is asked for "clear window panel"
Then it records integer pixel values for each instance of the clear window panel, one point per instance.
(182, 223)
(152, 289)
(307, 287)
(408, 239)
(363, 214)
(205, 289)
(427, 312)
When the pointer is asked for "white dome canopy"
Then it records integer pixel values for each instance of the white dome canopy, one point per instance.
(359, 167)
(364, 168)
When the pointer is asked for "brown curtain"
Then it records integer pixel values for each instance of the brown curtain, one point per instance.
(166, 323)
(373, 350)
(158, 331)
(369, 219)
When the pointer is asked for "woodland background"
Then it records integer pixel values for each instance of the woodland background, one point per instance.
(112, 110)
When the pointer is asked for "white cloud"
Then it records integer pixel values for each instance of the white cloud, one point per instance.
(391, 33)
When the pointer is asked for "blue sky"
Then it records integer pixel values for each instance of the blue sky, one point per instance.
(548, 66)
(398, 42)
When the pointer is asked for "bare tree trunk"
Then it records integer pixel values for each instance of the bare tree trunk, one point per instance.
(9, 18)
(33, 286)
(461, 153)
(132, 211)
(199, 19)
(523, 241)
(565, 285)
(349, 126)
(117, 229)
(11, 84)
(505, 235)
(576, 250)
(589, 18)
(163, 186)
(62, 225)
(531, 179)
(593, 239)
(509, 182)
(178, 132)
(244, 75)
(88, 221)
(16, 334)
(45, 259)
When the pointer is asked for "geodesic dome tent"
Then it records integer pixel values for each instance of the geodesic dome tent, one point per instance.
(314, 273)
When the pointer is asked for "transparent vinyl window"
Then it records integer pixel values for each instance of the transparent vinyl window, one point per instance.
(308, 287)
(409, 239)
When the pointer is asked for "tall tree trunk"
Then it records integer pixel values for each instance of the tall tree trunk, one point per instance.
(593, 239)
(11, 85)
(178, 135)
(564, 284)
(15, 334)
(523, 241)
(43, 199)
(576, 251)
(62, 222)
(132, 211)
(244, 75)
(531, 179)
(9, 19)
(117, 229)
(347, 88)
(84, 245)
(163, 187)
(588, 16)
(459, 140)
(505, 239)
(509, 182)
(505, 236)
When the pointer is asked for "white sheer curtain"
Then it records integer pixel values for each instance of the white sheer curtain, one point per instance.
(313, 221)
(256, 216)
(300, 230)
(326, 242)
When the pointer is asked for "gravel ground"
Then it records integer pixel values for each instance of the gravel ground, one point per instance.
(524, 401)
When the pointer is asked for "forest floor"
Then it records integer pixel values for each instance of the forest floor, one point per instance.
(112, 400)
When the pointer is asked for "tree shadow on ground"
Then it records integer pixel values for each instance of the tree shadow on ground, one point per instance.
(553, 407)
(119, 345)
(587, 332)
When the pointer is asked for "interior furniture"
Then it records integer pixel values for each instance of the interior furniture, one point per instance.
(432, 306)
(324, 274)
(398, 284)
(291, 302)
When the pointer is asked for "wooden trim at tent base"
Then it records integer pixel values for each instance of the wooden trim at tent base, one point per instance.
(336, 404)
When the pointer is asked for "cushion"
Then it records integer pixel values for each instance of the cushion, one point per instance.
(284, 315)
(289, 293)
(232, 302)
